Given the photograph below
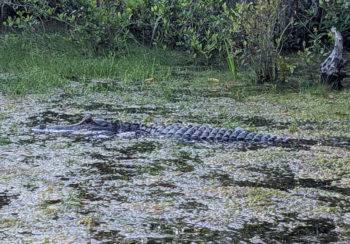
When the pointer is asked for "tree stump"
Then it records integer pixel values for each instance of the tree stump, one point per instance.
(331, 68)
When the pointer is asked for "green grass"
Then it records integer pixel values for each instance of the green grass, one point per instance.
(35, 79)
(40, 66)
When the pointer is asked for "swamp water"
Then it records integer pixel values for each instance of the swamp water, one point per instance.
(76, 189)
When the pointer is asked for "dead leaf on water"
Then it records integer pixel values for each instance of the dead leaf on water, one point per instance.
(232, 80)
(149, 80)
(214, 80)
(53, 201)
(158, 208)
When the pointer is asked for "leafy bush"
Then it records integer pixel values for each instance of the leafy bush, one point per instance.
(103, 25)
(195, 25)
(258, 24)
(315, 21)
(254, 32)
(336, 13)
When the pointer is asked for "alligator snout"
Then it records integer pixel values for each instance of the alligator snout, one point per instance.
(40, 127)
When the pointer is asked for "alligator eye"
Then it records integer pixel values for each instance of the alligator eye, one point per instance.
(41, 127)
(88, 119)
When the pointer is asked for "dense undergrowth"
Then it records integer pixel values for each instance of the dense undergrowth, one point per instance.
(248, 33)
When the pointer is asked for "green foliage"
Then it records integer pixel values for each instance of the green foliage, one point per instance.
(103, 25)
(231, 61)
(258, 22)
(314, 24)
(196, 25)
(241, 31)
(31, 14)
(336, 13)
(247, 33)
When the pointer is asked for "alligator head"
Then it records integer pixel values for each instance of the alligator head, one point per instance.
(88, 126)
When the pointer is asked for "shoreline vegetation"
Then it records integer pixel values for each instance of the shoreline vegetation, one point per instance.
(257, 41)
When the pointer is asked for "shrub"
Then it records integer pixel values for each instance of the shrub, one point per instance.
(253, 31)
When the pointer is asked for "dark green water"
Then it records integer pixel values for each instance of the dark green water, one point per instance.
(76, 189)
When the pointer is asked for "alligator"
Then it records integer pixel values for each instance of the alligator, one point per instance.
(179, 131)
